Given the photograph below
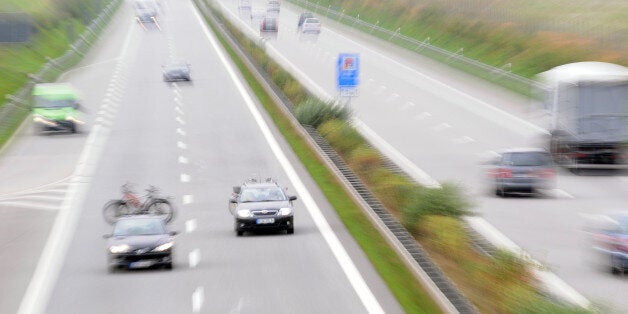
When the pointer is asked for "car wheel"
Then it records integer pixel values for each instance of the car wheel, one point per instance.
(239, 233)
(615, 267)
(168, 266)
(112, 269)
(290, 231)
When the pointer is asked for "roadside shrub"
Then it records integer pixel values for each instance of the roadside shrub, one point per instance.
(294, 91)
(314, 112)
(446, 201)
(341, 135)
(365, 159)
(390, 188)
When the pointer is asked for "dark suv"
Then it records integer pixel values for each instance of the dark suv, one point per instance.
(261, 206)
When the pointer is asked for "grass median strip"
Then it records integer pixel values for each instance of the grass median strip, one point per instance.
(402, 283)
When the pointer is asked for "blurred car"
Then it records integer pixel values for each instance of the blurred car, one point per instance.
(273, 6)
(311, 25)
(521, 170)
(139, 242)
(176, 71)
(609, 235)
(269, 25)
(56, 107)
(145, 11)
(261, 206)
(244, 5)
(303, 16)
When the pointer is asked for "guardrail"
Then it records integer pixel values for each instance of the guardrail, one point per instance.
(17, 105)
(502, 75)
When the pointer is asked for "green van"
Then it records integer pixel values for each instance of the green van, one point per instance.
(56, 107)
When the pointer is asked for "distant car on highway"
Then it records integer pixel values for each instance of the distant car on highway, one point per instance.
(261, 206)
(273, 6)
(56, 107)
(269, 25)
(145, 11)
(139, 242)
(521, 170)
(176, 71)
(303, 16)
(311, 25)
(609, 235)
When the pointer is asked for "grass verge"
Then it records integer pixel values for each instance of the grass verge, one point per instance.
(402, 283)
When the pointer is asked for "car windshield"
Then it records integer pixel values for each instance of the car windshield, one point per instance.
(259, 194)
(177, 67)
(41, 102)
(312, 20)
(529, 159)
(135, 227)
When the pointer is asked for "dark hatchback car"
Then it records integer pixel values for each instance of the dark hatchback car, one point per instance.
(176, 71)
(269, 25)
(261, 206)
(140, 242)
(521, 170)
(610, 238)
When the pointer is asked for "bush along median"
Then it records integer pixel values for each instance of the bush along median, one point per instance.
(500, 283)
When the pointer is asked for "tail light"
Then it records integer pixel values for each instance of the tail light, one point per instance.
(503, 173)
(621, 244)
(547, 173)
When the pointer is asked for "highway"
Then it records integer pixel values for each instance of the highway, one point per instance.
(194, 141)
(443, 122)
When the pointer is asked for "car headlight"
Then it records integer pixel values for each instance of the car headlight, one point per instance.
(75, 120)
(119, 248)
(285, 211)
(244, 213)
(163, 247)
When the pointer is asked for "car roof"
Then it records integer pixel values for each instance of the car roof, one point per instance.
(311, 19)
(139, 217)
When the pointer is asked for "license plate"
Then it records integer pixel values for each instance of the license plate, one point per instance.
(261, 221)
(141, 264)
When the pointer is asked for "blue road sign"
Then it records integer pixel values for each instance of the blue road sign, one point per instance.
(348, 70)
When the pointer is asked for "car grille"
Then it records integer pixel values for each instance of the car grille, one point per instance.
(264, 212)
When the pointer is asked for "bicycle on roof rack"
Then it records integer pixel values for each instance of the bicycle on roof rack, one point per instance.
(131, 204)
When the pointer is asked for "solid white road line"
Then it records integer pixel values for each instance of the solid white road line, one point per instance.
(198, 297)
(407, 165)
(52, 257)
(344, 260)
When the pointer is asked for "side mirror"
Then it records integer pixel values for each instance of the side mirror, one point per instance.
(77, 106)
(236, 189)
(107, 236)
(233, 200)
(173, 233)
(292, 198)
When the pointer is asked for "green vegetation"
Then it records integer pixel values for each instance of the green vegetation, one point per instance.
(402, 283)
(314, 112)
(525, 37)
(498, 284)
(57, 24)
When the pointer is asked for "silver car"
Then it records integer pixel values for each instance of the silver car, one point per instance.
(521, 170)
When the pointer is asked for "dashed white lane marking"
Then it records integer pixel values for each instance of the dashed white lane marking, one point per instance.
(182, 145)
(392, 97)
(188, 199)
(180, 132)
(179, 111)
(194, 258)
(441, 127)
(407, 105)
(423, 116)
(345, 262)
(182, 160)
(198, 296)
(190, 225)
(379, 90)
(185, 177)
(181, 121)
(462, 140)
